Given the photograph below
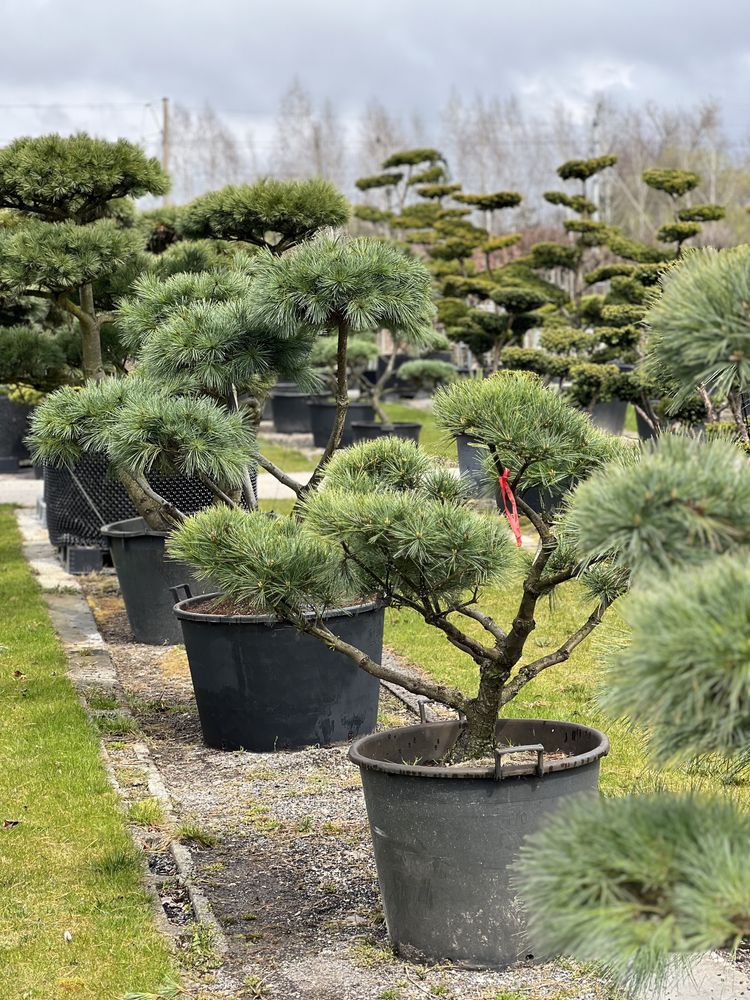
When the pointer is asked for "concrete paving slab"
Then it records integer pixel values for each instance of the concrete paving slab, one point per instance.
(20, 488)
(713, 978)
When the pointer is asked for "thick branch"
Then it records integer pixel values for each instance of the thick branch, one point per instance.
(278, 473)
(217, 491)
(158, 513)
(441, 693)
(532, 670)
(484, 620)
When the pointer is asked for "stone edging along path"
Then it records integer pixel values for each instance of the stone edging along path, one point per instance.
(286, 903)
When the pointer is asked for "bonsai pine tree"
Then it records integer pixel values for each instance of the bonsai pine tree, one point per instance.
(698, 328)
(271, 214)
(208, 345)
(63, 192)
(687, 221)
(388, 520)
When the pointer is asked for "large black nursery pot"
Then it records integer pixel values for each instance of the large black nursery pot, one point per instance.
(471, 454)
(609, 416)
(322, 415)
(368, 430)
(445, 838)
(146, 577)
(261, 685)
(289, 410)
(14, 426)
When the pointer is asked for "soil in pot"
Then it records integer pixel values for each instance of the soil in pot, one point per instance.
(368, 431)
(145, 576)
(261, 685)
(322, 415)
(445, 838)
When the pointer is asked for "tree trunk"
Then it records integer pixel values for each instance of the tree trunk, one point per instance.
(158, 513)
(477, 739)
(91, 344)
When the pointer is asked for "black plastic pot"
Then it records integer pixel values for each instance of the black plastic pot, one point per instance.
(290, 410)
(444, 839)
(470, 458)
(368, 431)
(14, 426)
(145, 575)
(261, 685)
(322, 415)
(609, 416)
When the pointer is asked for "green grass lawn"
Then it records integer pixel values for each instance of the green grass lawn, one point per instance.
(432, 438)
(288, 459)
(69, 864)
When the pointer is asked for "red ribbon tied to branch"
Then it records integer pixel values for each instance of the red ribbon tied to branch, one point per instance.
(509, 503)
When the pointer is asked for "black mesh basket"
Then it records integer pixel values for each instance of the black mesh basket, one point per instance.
(81, 500)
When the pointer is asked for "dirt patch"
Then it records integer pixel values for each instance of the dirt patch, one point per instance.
(291, 877)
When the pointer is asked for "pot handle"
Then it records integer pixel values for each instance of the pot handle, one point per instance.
(181, 588)
(501, 752)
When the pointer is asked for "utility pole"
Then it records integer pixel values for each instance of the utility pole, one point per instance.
(165, 140)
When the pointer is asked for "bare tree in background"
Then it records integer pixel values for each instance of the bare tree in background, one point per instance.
(205, 153)
(308, 142)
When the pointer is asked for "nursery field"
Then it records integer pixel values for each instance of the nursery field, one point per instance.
(75, 920)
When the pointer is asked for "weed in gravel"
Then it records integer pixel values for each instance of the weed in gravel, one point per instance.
(130, 777)
(99, 700)
(369, 954)
(392, 993)
(191, 832)
(305, 825)
(115, 725)
(256, 988)
(197, 948)
(256, 814)
(147, 812)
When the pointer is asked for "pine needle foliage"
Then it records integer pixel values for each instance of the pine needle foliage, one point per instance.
(364, 283)
(267, 565)
(685, 672)
(61, 256)
(32, 357)
(637, 880)
(685, 501)
(74, 178)
(272, 214)
(141, 429)
(700, 324)
(157, 298)
(529, 428)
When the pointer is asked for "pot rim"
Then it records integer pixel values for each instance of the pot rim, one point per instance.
(332, 402)
(116, 529)
(394, 423)
(181, 609)
(357, 755)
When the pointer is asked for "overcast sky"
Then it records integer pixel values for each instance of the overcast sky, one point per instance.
(101, 63)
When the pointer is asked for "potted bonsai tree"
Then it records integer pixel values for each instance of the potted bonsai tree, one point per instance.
(449, 802)
(209, 346)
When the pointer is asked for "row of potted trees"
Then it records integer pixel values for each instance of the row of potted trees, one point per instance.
(294, 605)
